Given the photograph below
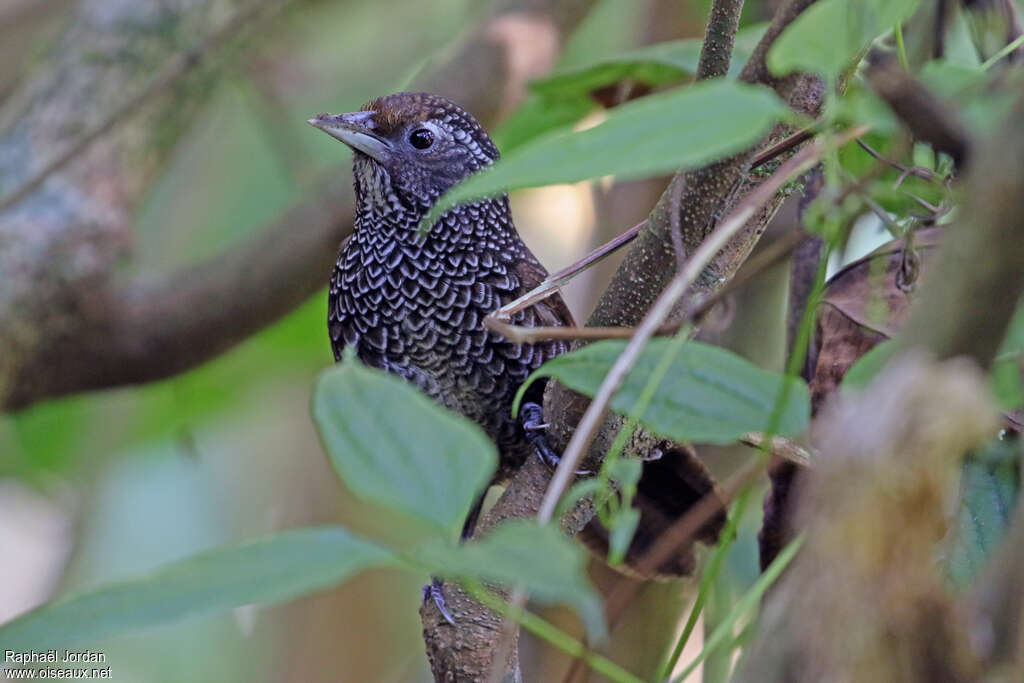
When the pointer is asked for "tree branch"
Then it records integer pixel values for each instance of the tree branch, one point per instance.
(80, 328)
(927, 117)
(716, 52)
(173, 70)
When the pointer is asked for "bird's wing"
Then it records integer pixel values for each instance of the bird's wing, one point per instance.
(550, 312)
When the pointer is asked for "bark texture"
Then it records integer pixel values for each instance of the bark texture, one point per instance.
(67, 322)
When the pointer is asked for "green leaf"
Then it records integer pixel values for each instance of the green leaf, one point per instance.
(827, 36)
(989, 488)
(259, 572)
(1006, 371)
(654, 65)
(869, 365)
(625, 472)
(1005, 382)
(538, 115)
(708, 395)
(860, 105)
(591, 487)
(550, 565)
(621, 528)
(683, 128)
(1013, 342)
(395, 447)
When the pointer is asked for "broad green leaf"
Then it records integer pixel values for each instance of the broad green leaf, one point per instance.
(708, 395)
(653, 65)
(395, 447)
(828, 35)
(259, 572)
(682, 128)
(550, 565)
(989, 489)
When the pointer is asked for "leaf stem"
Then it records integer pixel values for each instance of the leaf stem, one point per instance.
(745, 604)
(708, 576)
(549, 632)
(900, 47)
(1007, 49)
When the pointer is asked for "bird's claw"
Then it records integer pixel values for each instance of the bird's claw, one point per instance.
(532, 417)
(434, 590)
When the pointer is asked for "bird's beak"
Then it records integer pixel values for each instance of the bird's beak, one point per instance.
(356, 131)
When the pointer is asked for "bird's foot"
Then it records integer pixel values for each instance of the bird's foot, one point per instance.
(532, 417)
(435, 591)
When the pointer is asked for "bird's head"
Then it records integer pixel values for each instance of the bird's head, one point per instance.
(410, 146)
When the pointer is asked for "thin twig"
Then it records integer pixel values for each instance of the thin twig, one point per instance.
(781, 147)
(520, 334)
(662, 308)
(916, 171)
(555, 281)
(771, 255)
(787, 449)
(173, 70)
(685, 527)
(928, 117)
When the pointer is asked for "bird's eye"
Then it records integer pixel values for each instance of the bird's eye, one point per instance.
(421, 138)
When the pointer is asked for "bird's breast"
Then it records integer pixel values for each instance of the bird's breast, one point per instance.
(418, 311)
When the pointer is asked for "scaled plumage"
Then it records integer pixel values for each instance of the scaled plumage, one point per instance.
(414, 304)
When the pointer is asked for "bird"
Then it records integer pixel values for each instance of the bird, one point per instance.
(413, 303)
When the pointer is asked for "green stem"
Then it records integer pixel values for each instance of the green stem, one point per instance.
(718, 664)
(708, 576)
(745, 605)
(552, 634)
(1013, 45)
(901, 48)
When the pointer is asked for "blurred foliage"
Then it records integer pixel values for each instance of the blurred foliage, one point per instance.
(167, 470)
(828, 37)
(989, 489)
